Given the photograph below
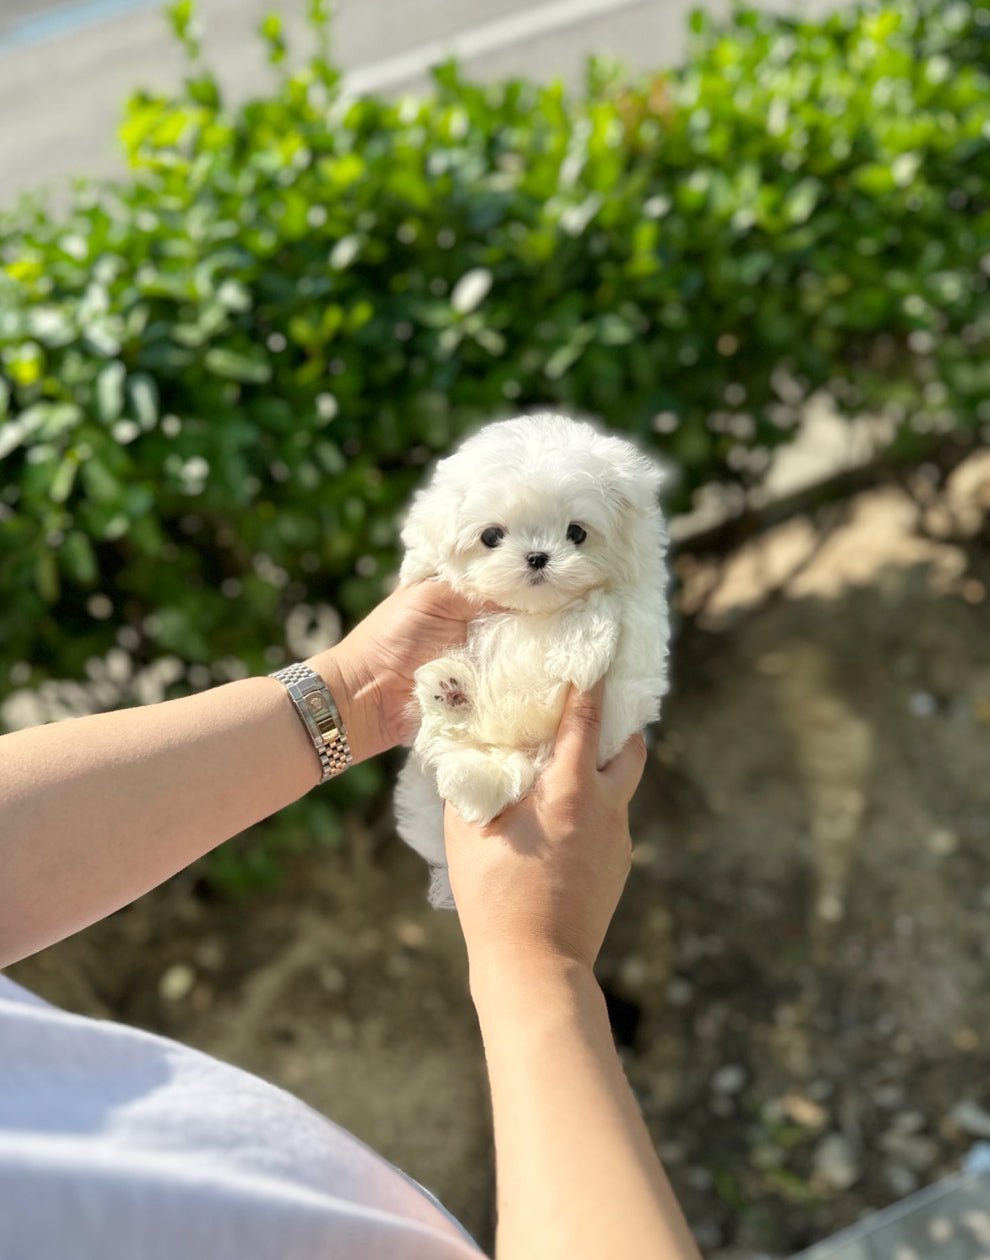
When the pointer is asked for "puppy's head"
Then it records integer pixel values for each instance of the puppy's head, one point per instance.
(534, 513)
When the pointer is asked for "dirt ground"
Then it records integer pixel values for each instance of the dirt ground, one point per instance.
(798, 970)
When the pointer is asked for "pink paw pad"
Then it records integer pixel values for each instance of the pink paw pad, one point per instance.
(451, 694)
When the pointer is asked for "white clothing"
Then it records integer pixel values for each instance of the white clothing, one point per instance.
(115, 1143)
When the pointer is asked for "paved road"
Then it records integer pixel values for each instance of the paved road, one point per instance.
(66, 66)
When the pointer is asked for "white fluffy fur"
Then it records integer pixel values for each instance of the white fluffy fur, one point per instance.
(489, 711)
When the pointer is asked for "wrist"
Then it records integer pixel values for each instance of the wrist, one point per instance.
(357, 700)
(495, 975)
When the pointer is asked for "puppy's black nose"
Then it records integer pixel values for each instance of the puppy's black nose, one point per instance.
(537, 559)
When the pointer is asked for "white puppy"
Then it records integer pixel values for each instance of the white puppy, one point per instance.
(559, 524)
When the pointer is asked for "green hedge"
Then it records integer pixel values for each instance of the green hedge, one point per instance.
(221, 378)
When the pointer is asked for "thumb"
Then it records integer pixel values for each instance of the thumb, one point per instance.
(454, 604)
(625, 769)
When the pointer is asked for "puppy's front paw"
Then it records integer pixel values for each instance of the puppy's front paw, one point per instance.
(451, 694)
(443, 690)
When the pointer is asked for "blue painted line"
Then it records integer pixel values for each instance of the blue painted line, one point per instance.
(63, 21)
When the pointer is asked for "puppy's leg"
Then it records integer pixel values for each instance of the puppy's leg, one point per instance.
(480, 783)
(419, 820)
(586, 643)
(419, 811)
(445, 691)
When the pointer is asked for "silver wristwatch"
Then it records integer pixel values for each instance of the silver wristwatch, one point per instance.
(320, 716)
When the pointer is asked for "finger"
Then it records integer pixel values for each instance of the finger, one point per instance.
(625, 769)
(455, 605)
(576, 746)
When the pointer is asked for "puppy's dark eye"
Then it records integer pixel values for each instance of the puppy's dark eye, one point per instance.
(576, 534)
(492, 536)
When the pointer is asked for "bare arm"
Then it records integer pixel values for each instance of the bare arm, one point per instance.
(577, 1176)
(95, 811)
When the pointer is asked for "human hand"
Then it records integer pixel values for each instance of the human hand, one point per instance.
(544, 877)
(370, 672)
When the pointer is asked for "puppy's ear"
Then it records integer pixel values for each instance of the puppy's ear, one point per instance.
(421, 539)
(430, 529)
(636, 482)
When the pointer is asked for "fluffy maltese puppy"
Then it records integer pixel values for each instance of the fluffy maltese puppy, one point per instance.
(558, 525)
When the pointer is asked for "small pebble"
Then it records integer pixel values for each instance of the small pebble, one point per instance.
(808, 1114)
(902, 1181)
(707, 1235)
(679, 992)
(888, 1096)
(671, 1152)
(210, 953)
(972, 1118)
(940, 1230)
(410, 933)
(943, 841)
(729, 1079)
(977, 1223)
(829, 907)
(633, 971)
(835, 1163)
(698, 1178)
(966, 1040)
(910, 1149)
(922, 704)
(176, 982)
(765, 1155)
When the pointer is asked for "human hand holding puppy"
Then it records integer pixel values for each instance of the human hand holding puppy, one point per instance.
(372, 669)
(543, 878)
(536, 888)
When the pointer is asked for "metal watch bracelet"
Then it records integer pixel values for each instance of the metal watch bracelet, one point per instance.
(320, 715)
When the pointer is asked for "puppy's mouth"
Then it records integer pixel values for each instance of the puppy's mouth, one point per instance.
(538, 579)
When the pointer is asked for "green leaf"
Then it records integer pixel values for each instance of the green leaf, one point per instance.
(64, 479)
(233, 366)
(183, 18)
(273, 34)
(59, 419)
(143, 394)
(17, 430)
(110, 392)
(46, 576)
(78, 558)
(800, 202)
(101, 485)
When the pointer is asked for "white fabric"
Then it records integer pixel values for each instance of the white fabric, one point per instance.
(115, 1143)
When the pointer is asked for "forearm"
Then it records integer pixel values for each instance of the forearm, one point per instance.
(576, 1172)
(95, 811)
